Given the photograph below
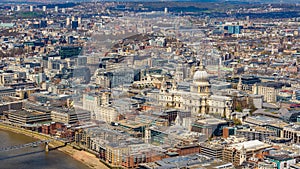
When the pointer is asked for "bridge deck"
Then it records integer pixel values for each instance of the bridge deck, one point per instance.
(16, 147)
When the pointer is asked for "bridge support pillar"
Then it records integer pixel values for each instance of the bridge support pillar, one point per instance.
(46, 147)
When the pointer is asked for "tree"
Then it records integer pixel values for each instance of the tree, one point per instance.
(237, 121)
(238, 108)
(252, 109)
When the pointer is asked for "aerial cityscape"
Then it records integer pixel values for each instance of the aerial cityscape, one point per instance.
(208, 84)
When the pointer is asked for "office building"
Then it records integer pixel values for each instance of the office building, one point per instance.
(7, 91)
(25, 117)
(269, 90)
(257, 133)
(212, 150)
(79, 20)
(292, 132)
(17, 105)
(74, 25)
(240, 152)
(166, 10)
(210, 127)
(43, 24)
(68, 21)
(70, 116)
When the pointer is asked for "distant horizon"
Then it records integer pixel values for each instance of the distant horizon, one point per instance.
(207, 1)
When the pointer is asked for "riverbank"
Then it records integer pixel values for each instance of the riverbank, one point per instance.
(86, 158)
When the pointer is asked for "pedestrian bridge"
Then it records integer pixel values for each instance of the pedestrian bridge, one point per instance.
(32, 144)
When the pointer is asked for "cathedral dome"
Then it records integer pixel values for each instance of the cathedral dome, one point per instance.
(200, 75)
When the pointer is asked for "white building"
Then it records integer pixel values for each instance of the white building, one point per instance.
(92, 101)
(68, 21)
(198, 100)
(106, 113)
(269, 90)
(6, 78)
(220, 105)
(98, 105)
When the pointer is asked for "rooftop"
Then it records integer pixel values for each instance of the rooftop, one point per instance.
(250, 145)
(192, 161)
(25, 113)
(211, 121)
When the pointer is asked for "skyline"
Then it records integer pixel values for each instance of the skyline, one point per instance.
(150, 85)
(200, 1)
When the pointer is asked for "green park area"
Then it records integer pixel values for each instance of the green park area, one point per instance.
(27, 14)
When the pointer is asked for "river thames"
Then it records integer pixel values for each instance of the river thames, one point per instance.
(33, 157)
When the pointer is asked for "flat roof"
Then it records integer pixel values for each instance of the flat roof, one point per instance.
(25, 113)
(211, 121)
(192, 161)
(6, 88)
(253, 144)
(131, 124)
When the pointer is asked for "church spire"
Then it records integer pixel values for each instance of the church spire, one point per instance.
(178, 120)
(163, 86)
(294, 96)
(201, 65)
(240, 84)
(174, 85)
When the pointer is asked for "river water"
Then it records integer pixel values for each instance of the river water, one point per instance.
(32, 157)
